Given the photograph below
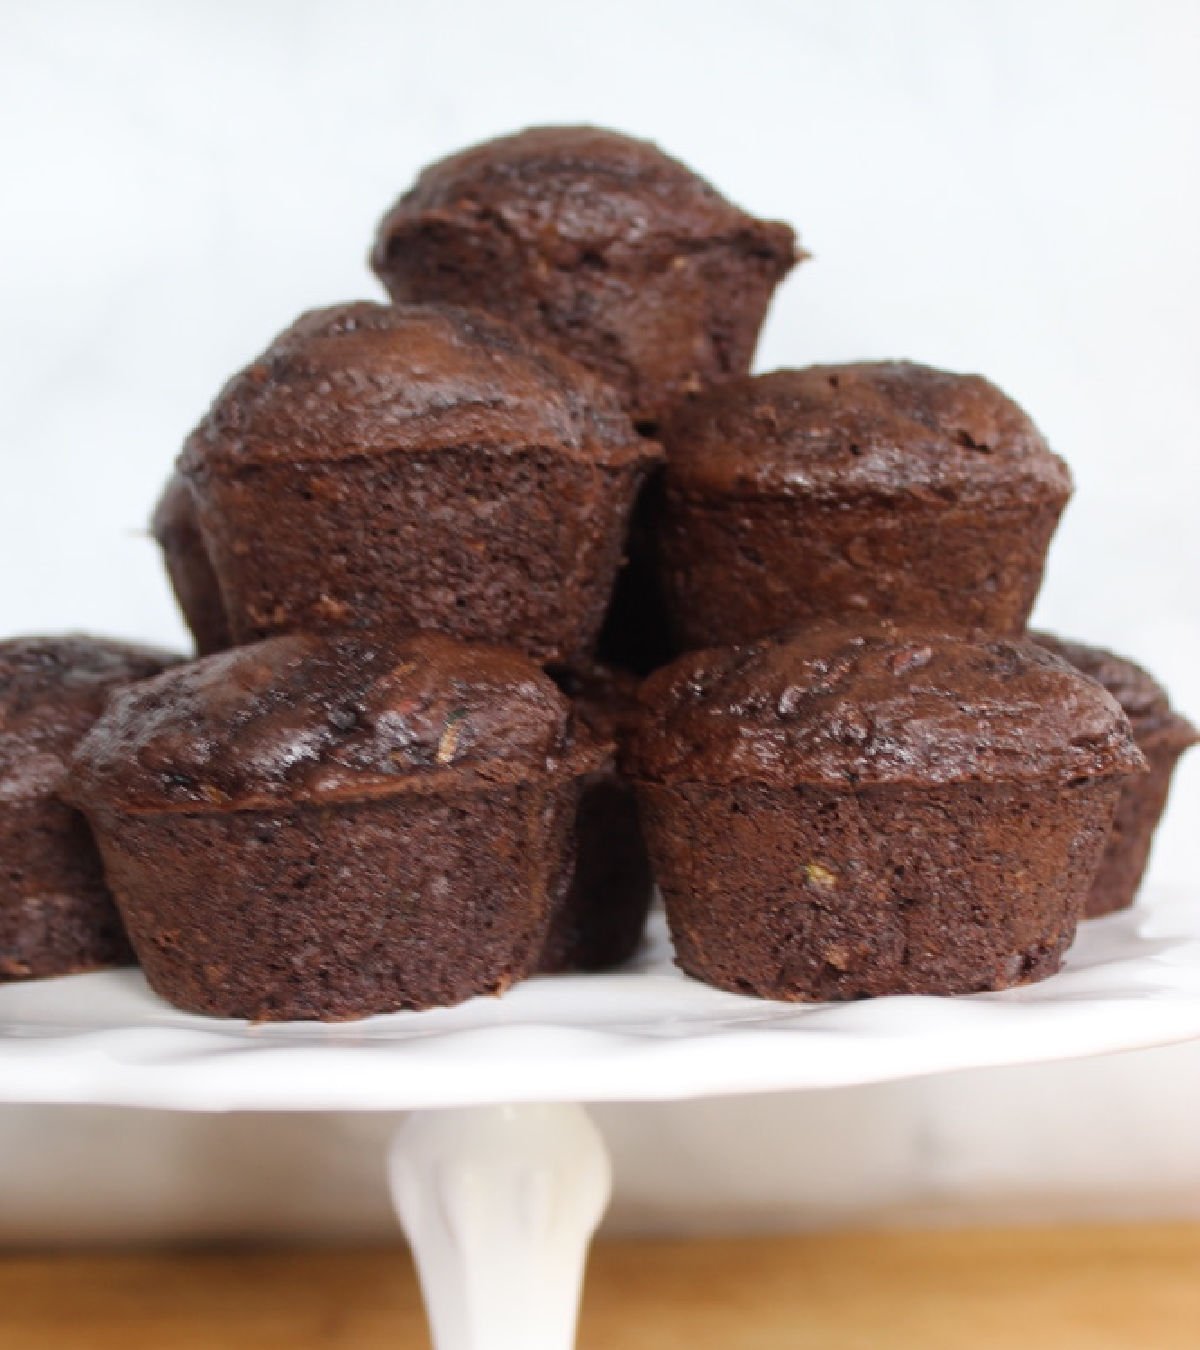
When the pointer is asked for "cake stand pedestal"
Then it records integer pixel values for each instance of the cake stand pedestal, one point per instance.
(498, 1176)
(499, 1204)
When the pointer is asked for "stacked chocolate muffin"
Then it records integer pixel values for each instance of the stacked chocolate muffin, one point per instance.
(56, 914)
(427, 550)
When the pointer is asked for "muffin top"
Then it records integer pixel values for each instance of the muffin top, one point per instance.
(51, 691)
(881, 428)
(576, 191)
(310, 719)
(841, 708)
(1143, 700)
(365, 379)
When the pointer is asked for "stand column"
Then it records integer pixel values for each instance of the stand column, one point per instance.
(500, 1204)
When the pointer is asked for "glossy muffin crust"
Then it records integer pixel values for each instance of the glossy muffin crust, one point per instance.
(836, 814)
(328, 827)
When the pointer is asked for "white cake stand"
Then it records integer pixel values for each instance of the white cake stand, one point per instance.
(499, 1178)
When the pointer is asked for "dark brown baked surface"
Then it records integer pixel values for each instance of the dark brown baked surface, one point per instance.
(416, 468)
(1162, 736)
(887, 490)
(177, 532)
(886, 428)
(337, 911)
(1143, 700)
(810, 893)
(614, 250)
(313, 719)
(52, 689)
(535, 180)
(600, 911)
(365, 379)
(56, 914)
(838, 707)
(839, 815)
(331, 827)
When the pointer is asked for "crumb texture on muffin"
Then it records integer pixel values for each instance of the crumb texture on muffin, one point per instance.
(883, 489)
(416, 467)
(836, 814)
(814, 892)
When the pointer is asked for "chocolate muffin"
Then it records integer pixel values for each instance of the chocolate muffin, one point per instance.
(601, 909)
(835, 815)
(606, 246)
(1162, 736)
(325, 827)
(886, 489)
(419, 467)
(56, 915)
(192, 578)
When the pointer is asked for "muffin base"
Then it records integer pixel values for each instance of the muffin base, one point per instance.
(335, 911)
(56, 914)
(812, 894)
(1139, 809)
(519, 548)
(737, 570)
(598, 920)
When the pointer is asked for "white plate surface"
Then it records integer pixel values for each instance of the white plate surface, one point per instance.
(646, 1033)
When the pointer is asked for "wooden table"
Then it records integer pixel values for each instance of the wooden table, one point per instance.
(1136, 1288)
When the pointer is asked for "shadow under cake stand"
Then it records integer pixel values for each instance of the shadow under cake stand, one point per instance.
(499, 1178)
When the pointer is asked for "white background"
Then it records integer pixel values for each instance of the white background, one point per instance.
(1007, 187)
